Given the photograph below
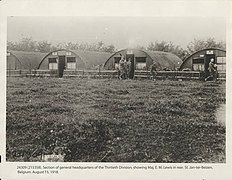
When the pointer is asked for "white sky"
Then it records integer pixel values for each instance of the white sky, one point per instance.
(121, 31)
(121, 23)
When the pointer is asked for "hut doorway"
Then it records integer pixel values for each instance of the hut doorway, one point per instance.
(61, 66)
(208, 57)
(131, 58)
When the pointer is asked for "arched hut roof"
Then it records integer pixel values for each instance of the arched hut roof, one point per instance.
(92, 58)
(88, 58)
(202, 50)
(27, 60)
(163, 59)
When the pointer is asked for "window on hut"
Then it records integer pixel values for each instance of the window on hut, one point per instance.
(198, 64)
(221, 63)
(71, 63)
(140, 63)
(52, 63)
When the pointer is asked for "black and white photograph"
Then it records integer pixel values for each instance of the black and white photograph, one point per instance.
(116, 89)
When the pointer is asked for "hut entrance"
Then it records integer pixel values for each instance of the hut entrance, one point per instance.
(209, 55)
(131, 57)
(61, 66)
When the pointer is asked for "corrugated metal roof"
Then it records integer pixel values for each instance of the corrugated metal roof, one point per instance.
(165, 59)
(89, 58)
(202, 50)
(92, 58)
(29, 60)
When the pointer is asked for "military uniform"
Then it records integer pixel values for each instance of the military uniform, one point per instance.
(128, 68)
(212, 71)
(122, 68)
(153, 71)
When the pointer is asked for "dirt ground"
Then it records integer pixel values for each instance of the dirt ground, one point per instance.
(109, 120)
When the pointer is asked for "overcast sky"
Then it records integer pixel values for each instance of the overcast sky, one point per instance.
(122, 32)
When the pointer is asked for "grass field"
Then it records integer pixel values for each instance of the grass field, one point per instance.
(106, 120)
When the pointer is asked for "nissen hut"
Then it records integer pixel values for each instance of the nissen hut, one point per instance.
(199, 61)
(61, 60)
(141, 60)
(22, 60)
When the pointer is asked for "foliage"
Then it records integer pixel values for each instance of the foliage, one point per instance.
(28, 44)
(167, 47)
(195, 45)
(100, 46)
(44, 46)
(199, 44)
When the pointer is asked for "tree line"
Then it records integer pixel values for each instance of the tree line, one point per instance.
(195, 45)
(28, 44)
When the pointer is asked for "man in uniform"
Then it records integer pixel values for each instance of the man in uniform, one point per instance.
(122, 67)
(212, 71)
(153, 71)
(128, 67)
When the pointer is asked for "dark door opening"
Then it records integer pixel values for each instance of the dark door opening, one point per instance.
(61, 66)
(131, 58)
(208, 57)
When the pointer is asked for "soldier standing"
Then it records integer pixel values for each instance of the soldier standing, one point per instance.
(122, 68)
(153, 71)
(212, 71)
(128, 67)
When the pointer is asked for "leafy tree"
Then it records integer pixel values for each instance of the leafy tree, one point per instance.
(44, 46)
(167, 47)
(11, 45)
(109, 48)
(199, 44)
(70, 45)
(159, 46)
(27, 44)
(59, 46)
(100, 46)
